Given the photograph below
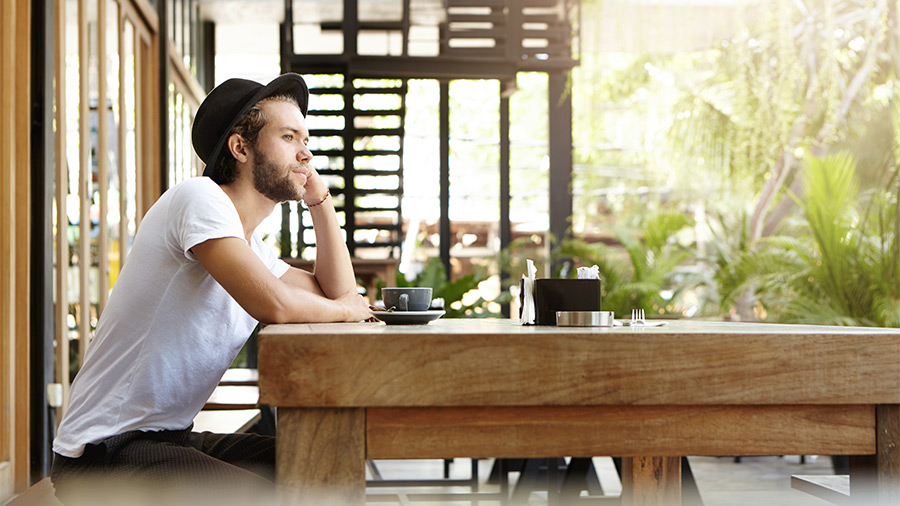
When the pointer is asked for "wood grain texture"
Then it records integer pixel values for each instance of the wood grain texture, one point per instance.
(651, 481)
(619, 431)
(500, 363)
(8, 210)
(320, 456)
(494, 388)
(15, 230)
(22, 239)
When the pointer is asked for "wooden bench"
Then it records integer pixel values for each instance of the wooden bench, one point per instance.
(240, 377)
(231, 409)
(226, 421)
(39, 494)
(834, 488)
(233, 406)
(233, 397)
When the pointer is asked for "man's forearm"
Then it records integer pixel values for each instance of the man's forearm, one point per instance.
(334, 270)
(302, 306)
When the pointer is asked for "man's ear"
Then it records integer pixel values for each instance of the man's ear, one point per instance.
(239, 147)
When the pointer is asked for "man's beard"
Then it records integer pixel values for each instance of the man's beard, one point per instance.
(273, 181)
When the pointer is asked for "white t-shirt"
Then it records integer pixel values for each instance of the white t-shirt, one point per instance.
(169, 331)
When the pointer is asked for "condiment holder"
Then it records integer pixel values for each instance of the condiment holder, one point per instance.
(584, 318)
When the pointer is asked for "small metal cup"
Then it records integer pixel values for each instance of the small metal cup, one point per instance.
(584, 318)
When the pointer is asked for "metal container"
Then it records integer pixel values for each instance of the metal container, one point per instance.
(584, 318)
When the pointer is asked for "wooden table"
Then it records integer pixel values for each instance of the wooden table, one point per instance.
(493, 388)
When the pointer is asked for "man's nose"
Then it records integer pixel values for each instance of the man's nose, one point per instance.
(304, 154)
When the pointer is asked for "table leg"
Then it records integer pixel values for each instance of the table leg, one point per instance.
(863, 480)
(651, 481)
(887, 443)
(875, 479)
(321, 456)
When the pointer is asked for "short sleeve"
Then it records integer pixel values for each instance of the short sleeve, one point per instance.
(201, 211)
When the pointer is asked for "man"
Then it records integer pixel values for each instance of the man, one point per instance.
(194, 286)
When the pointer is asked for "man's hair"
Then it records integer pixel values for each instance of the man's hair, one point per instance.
(248, 126)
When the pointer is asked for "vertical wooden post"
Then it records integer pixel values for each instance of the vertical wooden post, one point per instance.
(122, 166)
(161, 72)
(875, 479)
(39, 236)
(62, 220)
(887, 446)
(560, 151)
(102, 161)
(444, 129)
(321, 456)
(444, 133)
(84, 186)
(651, 481)
(505, 226)
(22, 230)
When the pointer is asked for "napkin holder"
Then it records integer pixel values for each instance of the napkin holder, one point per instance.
(552, 295)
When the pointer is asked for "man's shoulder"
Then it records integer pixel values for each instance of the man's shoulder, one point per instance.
(197, 184)
(195, 189)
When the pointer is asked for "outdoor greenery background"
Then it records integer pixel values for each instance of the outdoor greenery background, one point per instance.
(754, 179)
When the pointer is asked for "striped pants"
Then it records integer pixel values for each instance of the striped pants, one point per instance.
(169, 467)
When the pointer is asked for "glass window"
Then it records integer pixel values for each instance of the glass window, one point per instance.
(72, 202)
(113, 191)
(91, 229)
(129, 189)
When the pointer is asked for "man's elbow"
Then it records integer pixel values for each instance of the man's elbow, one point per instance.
(271, 312)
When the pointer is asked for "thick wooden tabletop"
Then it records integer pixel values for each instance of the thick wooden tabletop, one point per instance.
(494, 388)
(501, 363)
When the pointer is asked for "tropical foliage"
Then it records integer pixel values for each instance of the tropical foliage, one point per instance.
(736, 136)
(638, 278)
(798, 78)
(805, 77)
(842, 264)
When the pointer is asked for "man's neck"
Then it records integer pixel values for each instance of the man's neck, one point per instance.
(251, 205)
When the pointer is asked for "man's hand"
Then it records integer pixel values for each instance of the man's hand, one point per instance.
(334, 270)
(315, 186)
(356, 307)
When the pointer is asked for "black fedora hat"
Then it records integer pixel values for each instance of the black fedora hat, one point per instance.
(224, 105)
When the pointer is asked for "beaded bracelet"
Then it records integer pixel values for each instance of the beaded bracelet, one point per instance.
(327, 194)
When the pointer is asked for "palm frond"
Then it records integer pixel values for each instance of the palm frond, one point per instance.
(659, 228)
(636, 252)
(829, 205)
(761, 269)
(886, 310)
(806, 310)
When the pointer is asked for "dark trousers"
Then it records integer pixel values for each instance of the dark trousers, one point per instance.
(170, 466)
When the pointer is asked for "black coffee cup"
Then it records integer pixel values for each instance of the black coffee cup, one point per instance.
(406, 299)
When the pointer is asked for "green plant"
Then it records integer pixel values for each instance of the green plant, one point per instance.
(434, 275)
(635, 278)
(802, 77)
(841, 266)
